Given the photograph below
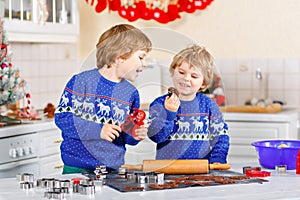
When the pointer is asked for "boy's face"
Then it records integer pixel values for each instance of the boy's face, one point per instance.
(187, 80)
(133, 65)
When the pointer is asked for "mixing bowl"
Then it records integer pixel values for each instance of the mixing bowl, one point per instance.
(277, 152)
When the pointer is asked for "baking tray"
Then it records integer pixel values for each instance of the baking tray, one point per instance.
(114, 181)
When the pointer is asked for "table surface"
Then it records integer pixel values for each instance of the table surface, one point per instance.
(279, 186)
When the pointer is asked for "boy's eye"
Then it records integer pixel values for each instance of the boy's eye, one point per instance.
(141, 57)
(181, 72)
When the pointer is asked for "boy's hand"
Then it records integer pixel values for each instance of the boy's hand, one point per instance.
(110, 132)
(172, 103)
(141, 133)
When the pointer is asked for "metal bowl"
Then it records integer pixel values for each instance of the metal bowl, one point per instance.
(277, 152)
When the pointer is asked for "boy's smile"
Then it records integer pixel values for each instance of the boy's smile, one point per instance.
(134, 65)
(187, 80)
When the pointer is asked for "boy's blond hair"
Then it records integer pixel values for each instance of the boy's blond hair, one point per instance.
(120, 41)
(199, 57)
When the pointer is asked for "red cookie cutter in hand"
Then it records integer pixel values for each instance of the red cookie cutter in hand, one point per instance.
(133, 122)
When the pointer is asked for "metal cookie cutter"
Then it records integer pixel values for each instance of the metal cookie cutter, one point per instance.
(131, 177)
(64, 190)
(86, 189)
(25, 177)
(151, 177)
(26, 185)
(122, 172)
(160, 178)
(101, 172)
(76, 182)
(141, 178)
(46, 182)
(281, 169)
(65, 183)
(54, 195)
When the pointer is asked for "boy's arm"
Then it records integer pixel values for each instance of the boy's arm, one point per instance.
(219, 129)
(71, 125)
(220, 151)
(161, 122)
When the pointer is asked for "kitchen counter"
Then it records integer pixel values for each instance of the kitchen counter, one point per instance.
(287, 114)
(27, 126)
(280, 186)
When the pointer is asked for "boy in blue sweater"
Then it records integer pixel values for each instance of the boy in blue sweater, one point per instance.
(189, 125)
(95, 103)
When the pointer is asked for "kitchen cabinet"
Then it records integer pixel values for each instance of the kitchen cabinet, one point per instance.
(42, 21)
(30, 147)
(245, 128)
(49, 152)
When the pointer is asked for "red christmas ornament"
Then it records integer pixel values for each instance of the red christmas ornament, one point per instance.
(173, 12)
(182, 5)
(101, 5)
(145, 12)
(130, 13)
(114, 5)
(123, 12)
(133, 14)
(160, 16)
(199, 4)
(3, 48)
(190, 6)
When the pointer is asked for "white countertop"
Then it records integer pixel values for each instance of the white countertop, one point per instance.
(280, 186)
(27, 126)
(286, 115)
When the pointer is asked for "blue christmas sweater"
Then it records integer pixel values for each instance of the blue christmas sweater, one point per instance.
(196, 131)
(89, 101)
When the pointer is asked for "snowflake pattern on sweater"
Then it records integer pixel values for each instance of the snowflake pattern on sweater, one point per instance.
(89, 101)
(196, 131)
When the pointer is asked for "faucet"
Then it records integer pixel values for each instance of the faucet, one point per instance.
(258, 74)
(262, 86)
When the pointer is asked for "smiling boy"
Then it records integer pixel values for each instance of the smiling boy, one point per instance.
(190, 125)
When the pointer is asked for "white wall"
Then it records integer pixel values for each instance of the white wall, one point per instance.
(46, 68)
(229, 28)
(243, 35)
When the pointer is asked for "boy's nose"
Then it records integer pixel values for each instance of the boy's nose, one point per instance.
(187, 77)
(144, 63)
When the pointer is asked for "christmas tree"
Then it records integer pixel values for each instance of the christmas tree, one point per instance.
(12, 86)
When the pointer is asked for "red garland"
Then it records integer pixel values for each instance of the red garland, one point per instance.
(133, 10)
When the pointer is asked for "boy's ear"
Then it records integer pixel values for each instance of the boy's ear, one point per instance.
(203, 85)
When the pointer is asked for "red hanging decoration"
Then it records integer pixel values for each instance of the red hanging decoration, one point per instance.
(128, 10)
(146, 12)
(173, 10)
(114, 5)
(162, 11)
(101, 5)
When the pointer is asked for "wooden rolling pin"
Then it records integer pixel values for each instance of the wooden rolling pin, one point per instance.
(200, 166)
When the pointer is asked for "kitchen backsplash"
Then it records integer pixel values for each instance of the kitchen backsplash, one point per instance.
(280, 79)
(47, 68)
